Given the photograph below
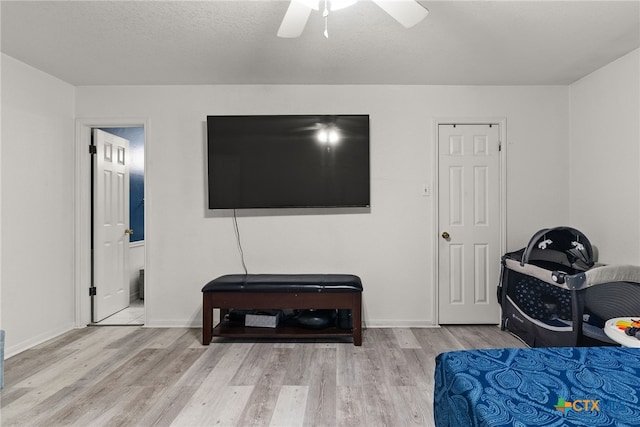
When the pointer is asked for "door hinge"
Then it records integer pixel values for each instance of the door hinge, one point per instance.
(499, 146)
(92, 291)
(93, 149)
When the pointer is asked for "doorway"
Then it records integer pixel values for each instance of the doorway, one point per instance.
(109, 308)
(470, 233)
(138, 287)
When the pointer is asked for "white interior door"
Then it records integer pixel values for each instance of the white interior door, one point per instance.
(469, 223)
(110, 224)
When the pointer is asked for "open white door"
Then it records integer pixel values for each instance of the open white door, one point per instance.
(110, 224)
(469, 223)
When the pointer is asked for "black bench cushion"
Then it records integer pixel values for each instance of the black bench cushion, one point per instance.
(285, 283)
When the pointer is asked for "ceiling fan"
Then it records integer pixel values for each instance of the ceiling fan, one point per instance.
(406, 12)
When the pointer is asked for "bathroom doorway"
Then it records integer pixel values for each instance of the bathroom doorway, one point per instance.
(131, 311)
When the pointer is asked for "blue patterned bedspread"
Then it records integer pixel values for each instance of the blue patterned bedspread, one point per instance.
(561, 386)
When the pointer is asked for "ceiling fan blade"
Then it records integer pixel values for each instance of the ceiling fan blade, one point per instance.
(341, 4)
(294, 20)
(406, 12)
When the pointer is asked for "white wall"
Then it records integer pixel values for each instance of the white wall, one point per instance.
(390, 248)
(37, 205)
(136, 263)
(605, 159)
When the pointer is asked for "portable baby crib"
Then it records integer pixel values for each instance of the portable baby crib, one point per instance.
(550, 287)
(535, 307)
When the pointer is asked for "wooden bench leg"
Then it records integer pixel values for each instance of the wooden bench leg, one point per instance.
(207, 318)
(356, 317)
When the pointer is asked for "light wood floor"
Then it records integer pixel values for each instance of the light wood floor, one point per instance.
(128, 375)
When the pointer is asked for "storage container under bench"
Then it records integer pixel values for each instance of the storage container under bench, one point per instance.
(281, 291)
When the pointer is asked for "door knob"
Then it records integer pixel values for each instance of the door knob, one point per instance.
(128, 231)
(445, 235)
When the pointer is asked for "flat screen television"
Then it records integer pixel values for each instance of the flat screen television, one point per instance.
(288, 161)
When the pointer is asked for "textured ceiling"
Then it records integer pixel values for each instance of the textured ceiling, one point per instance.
(235, 42)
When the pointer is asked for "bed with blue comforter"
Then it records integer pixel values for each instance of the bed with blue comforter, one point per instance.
(560, 386)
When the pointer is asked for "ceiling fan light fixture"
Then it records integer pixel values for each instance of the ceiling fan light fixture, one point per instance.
(406, 12)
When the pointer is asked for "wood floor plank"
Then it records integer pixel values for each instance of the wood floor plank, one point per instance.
(75, 363)
(372, 368)
(202, 404)
(297, 371)
(33, 361)
(393, 358)
(136, 338)
(437, 340)
(200, 370)
(477, 336)
(230, 406)
(321, 396)
(97, 407)
(166, 407)
(262, 403)
(170, 367)
(290, 406)
(378, 403)
(350, 406)
(39, 413)
(350, 368)
(406, 338)
(47, 383)
(259, 360)
(66, 340)
(47, 354)
(100, 337)
(421, 365)
(225, 409)
(184, 336)
(127, 412)
(412, 406)
(135, 376)
(10, 395)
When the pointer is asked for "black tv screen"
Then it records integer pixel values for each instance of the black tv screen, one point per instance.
(288, 161)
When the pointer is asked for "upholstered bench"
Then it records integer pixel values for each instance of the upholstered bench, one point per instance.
(281, 291)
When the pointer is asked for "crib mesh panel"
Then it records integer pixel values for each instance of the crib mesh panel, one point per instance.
(537, 299)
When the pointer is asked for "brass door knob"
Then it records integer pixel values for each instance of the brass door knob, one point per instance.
(128, 231)
(445, 235)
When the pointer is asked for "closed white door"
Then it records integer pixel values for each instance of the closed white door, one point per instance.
(469, 223)
(110, 224)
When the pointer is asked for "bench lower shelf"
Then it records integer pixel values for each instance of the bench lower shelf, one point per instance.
(230, 330)
(223, 301)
